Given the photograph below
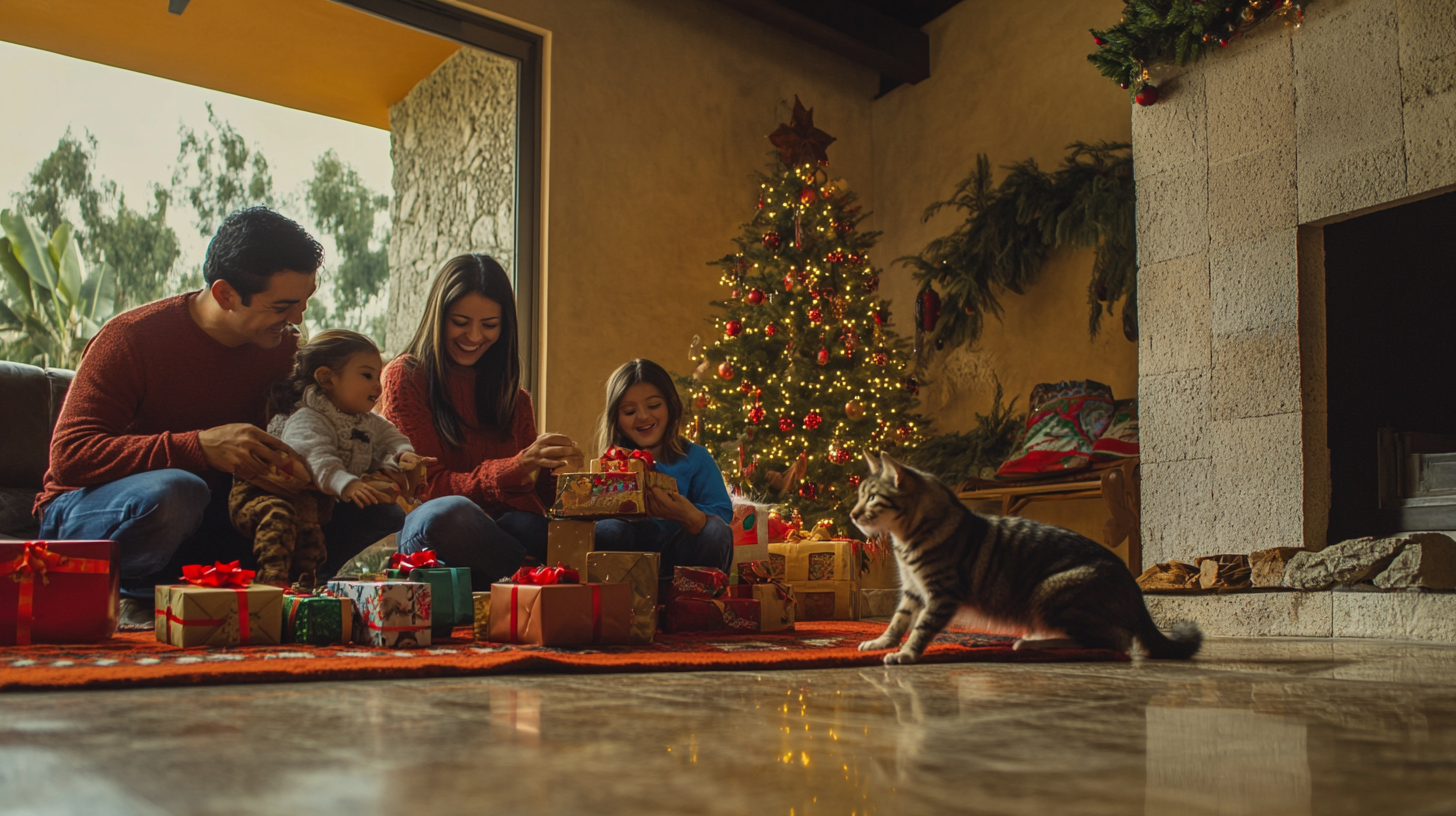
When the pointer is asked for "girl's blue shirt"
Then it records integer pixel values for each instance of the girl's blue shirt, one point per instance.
(699, 479)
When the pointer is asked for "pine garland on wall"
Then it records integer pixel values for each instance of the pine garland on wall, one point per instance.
(1181, 31)
(1089, 201)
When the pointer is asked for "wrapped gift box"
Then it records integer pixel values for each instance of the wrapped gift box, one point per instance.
(776, 604)
(391, 614)
(569, 542)
(317, 620)
(637, 570)
(450, 602)
(826, 600)
(816, 560)
(190, 615)
(736, 615)
(57, 591)
(614, 488)
(481, 601)
(877, 566)
(696, 582)
(878, 603)
(561, 614)
(750, 536)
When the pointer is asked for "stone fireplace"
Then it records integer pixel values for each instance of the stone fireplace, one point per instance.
(1242, 166)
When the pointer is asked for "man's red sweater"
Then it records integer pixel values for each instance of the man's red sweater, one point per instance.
(148, 382)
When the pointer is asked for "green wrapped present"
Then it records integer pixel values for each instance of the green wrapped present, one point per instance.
(449, 588)
(317, 619)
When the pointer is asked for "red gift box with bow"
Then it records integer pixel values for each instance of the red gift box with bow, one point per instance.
(549, 606)
(58, 591)
(616, 486)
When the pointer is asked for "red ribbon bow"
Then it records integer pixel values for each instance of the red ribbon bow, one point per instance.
(546, 576)
(424, 559)
(219, 575)
(34, 561)
(615, 458)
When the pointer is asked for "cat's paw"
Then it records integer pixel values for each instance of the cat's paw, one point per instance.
(876, 644)
(903, 657)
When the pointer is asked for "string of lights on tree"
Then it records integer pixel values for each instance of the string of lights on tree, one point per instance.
(805, 373)
(1181, 31)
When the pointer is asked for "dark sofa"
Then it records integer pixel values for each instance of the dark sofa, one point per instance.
(30, 402)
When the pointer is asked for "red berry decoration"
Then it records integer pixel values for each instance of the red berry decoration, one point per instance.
(816, 315)
(734, 328)
(1098, 41)
(725, 370)
(789, 282)
(904, 432)
(854, 409)
(771, 329)
(702, 402)
(1147, 95)
(786, 424)
(840, 456)
(745, 386)
(756, 414)
(807, 195)
(755, 296)
(813, 420)
(834, 257)
(881, 317)
(809, 491)
(873, 284)
(771, 240)
(760, 202)
(912, 385)
(822, 357)
(853, 480)
(880, 357)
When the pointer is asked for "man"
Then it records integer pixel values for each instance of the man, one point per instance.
(168, 402)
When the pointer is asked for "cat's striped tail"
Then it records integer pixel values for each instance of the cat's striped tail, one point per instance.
(1181, 643)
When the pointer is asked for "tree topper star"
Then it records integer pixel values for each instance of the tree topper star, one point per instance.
(799, 142)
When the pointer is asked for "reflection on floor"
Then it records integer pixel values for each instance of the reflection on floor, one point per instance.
(1251, 727)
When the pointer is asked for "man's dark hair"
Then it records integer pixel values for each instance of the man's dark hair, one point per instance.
(253, 245)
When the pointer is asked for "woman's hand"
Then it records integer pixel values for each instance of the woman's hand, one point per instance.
(675, 507)
(363, 495)
(409, 460)
(549, 451)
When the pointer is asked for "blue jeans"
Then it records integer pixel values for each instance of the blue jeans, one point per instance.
(163, 519)
(462, 535)
(711, 547)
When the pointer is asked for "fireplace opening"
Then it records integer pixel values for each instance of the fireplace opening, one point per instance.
(1390, 299)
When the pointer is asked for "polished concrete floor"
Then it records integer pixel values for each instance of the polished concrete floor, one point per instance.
(1251, 726)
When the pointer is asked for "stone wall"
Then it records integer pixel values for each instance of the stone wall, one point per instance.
(454, 151)
(1239, 166)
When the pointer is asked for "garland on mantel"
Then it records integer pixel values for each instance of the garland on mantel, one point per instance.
(1180, 31)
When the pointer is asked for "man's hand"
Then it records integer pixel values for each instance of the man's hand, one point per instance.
(243, 450)
(675, 507)
(363, 495)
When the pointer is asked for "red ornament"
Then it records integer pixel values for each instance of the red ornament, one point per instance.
(880, 357)
(836, 256)
(786, 424)
(816, 315)
(771, 240)
(1148, 94)
(904, 432)
(745, 386)
(725, 370)
(755, 296)
(809, 491)
(840, 456)
(760, 202)
(854, 409)
(855, 259)
(771, 329)
(1098, 41)
(881, 317)
(912, 385)
(756, 414)
(854, 479)
(813, 420)
(807, 195)
(789, 282)
(872, 285)
(822, 357)
(702, 402)
(927, 308)
(734, 328)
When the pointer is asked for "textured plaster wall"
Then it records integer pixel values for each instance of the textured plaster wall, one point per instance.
(1238, 167)
(454, 147)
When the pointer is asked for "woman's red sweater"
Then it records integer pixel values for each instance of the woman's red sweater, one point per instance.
(486, 468)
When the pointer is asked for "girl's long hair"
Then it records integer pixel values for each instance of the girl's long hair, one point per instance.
(330, 349)
(497, 372)
(609, 433)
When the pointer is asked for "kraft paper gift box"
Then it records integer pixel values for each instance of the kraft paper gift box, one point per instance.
(776, 604)
(389, 614)
(57, 591)
(317, 620)
(614, 488)
(568, 542)
(481, 601)
(816, 560)
(561, 614)
(877, 566)
(729, 615)
(450, 603)
(190, 615)
(878, 603)
(637, 570)
(826, 600)
(750, 536)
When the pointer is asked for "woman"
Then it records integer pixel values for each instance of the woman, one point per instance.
(455, 392)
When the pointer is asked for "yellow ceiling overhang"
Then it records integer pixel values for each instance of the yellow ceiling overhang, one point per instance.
(313, 55)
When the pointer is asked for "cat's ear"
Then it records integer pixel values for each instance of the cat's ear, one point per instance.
(873, 461)
(897, 470)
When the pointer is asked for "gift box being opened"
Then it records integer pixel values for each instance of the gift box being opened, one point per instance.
(637, 570)
(450, 604)
(608, 491)
(57, 591)
(191, 615)
(816, 560)
(561, 614)
(317, 620)
(392, 614)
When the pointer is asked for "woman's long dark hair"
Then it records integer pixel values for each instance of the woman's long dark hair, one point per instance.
(329, 349)
(497, 372)
(609, 433)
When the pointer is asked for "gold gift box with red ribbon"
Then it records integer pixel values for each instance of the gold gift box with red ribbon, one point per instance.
(57, 591)
(219, 606)
(615, 487)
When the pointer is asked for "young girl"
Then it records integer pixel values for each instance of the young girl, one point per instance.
(324, 411)
(691, 527)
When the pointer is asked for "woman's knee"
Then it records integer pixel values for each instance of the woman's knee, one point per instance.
(615, 535)
(448, 518)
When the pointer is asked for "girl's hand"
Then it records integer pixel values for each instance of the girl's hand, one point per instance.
(363, 495)
(409, 460)
(675, 507)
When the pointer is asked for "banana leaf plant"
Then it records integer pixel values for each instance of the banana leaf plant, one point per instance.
(50, 306)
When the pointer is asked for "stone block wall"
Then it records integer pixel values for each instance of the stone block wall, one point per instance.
(454, 151)
(1240, 164)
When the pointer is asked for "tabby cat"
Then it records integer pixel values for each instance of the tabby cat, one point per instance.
(1051, 587)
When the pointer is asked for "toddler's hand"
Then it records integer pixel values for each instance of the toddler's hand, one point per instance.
(363, 495)
(409, 460)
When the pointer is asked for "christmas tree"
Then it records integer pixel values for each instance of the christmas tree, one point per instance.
(805, 373)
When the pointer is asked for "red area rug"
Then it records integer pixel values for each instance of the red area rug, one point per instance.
(136, 660)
